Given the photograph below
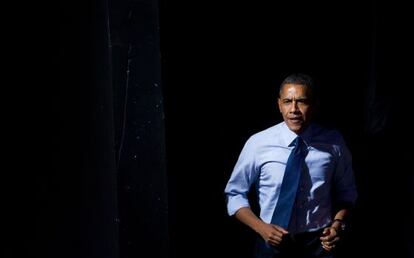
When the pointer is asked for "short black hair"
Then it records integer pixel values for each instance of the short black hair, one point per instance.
(301, 79)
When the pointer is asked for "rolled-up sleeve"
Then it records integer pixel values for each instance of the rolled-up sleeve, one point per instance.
(241, 179)
(344, 181)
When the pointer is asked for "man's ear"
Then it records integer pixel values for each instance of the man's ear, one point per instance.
(278, 105)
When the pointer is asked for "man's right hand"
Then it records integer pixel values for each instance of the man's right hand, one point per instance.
(272, 234)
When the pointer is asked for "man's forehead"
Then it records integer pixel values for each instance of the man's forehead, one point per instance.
(294, 97)
(297, 90)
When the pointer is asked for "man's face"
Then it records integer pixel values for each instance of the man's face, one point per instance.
(295, 105)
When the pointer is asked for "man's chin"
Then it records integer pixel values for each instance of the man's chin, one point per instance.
(296, 127)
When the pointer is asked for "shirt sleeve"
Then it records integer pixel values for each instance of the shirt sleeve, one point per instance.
(241, 179)
(345, 192)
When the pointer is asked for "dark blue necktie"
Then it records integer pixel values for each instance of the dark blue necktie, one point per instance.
(284, 206)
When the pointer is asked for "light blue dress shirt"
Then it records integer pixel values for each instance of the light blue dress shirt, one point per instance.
(327, 177)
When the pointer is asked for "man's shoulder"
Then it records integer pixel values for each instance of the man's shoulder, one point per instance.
(266, 135)
(327, 135)
(270, 131)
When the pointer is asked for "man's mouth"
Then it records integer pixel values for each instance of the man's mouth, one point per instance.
(296, 120)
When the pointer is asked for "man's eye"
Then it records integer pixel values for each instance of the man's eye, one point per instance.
(303, 101)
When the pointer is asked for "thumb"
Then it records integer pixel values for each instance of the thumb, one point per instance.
(325, 232)
(284, 231)
(279, 228)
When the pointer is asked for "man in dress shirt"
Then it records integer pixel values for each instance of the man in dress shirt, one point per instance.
(326, 190)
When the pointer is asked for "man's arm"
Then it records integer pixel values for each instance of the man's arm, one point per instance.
(272, 234)
(344, 197)
(332, 234)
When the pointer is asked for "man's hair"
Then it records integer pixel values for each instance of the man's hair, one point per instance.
(302, 79)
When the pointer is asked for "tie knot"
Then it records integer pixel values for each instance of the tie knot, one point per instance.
(297, 141)
(299, 144)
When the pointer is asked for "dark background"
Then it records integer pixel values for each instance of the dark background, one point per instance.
(158, 98)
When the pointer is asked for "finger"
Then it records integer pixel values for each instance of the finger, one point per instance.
(329, 245)
(332, 241)
(325, 238)
(273, 242)
(336, 239)
(276, 237)
(284, 231)
(326, 246)
(327, 249)
(325, 235)
(277, 233)
(329, 238)
(280, 229)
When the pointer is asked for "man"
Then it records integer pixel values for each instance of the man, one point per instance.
(324, 191)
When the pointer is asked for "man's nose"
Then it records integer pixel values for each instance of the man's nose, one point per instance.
(294, 107)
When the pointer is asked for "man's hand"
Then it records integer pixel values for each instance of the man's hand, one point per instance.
(272, 234)
(329, 238)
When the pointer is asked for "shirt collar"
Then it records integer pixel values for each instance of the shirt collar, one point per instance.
(288, 136)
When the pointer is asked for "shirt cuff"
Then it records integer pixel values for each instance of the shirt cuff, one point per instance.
(235, 203)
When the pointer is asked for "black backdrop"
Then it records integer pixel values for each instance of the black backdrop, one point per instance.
(173, 90)
(223, 63)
